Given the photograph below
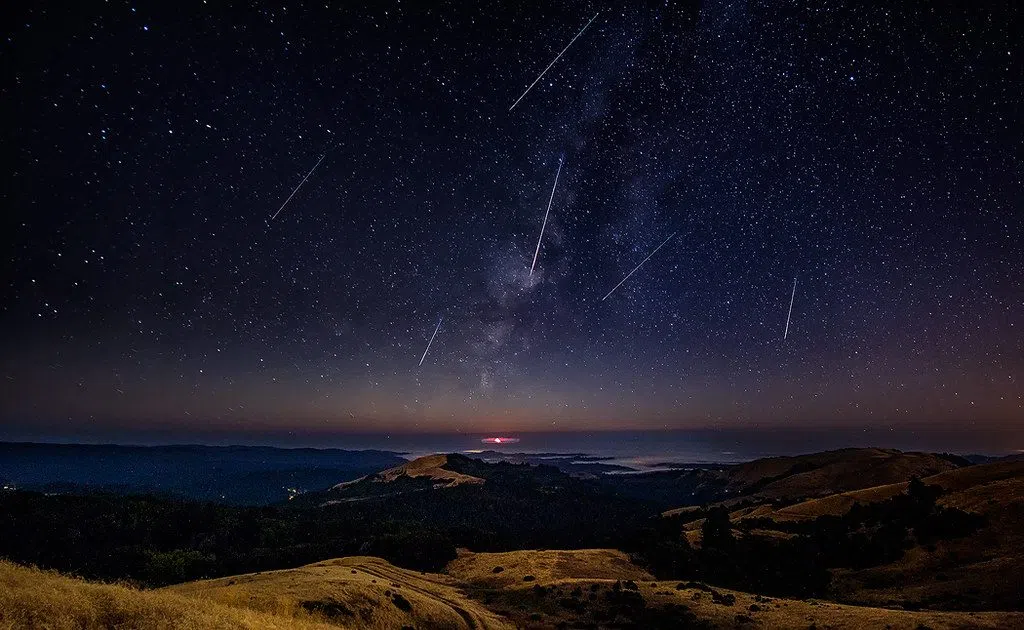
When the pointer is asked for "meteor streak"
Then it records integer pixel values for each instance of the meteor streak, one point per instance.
(431, 340)
(638, 266)
(544, 224)
(785, 333)
(298, 187)
(552, 63)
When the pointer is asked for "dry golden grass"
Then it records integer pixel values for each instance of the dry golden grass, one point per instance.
(540, 603)
(980, 570)
(973, 488)
(834, 474)
(848, 459)
(851, 469)
(751, 512)
(34, 599)
(833, 505)
(694, 537)
(31, 598)
(357, 592)
(683, 511)
(478, 569)
(973, 476)
(789, 613)
(976, 572)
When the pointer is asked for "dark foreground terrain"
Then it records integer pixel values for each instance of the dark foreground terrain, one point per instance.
(860, 526)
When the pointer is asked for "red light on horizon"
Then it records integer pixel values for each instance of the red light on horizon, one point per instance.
(500, 440)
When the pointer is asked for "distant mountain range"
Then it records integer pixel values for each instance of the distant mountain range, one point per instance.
(989, 459)
(253, 475)
(779, 478)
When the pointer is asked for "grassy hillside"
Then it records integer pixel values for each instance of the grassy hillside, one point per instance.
(787, 479)
(600, 588)
(539, 589)
(513, 568)
(30, 599)
(974, 572)
(832, 505)
(660, 604)
(835, 479)
(357, 592)
(963, 485)
(831, 472)
(950, 543)
(431, 467)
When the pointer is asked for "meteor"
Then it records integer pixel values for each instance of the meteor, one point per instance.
(552, 62)
(638, 266)
(785, 333)
(544, 224)
(431, 340)
(298, 187)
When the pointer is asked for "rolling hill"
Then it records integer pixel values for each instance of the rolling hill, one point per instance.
(512, 568)
(534, 589)
(30, 598)
(599, 588)
(431, 468)
(782, 479)
(973, 572)
(774, 478)
(831, 472)
(868, 550)
(442, 473)
(355, 592)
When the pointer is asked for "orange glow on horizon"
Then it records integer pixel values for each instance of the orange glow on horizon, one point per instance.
(500, 440)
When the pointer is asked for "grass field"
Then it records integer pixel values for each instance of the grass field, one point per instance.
(580, 586)
(34, 599)
(972, 573)
(598, 588)
(356, 592)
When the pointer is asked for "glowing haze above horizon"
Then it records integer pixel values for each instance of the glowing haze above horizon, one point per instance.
(870, 153)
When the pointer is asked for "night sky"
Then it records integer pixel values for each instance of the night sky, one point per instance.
(874, 154)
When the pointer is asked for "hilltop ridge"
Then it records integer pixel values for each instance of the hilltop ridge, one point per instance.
(432, 467)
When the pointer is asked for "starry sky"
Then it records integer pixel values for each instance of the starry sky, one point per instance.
(871, 153)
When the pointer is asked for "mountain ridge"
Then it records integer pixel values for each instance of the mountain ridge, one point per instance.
(432, 467)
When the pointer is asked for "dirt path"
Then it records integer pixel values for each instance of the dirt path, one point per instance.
(473, 620)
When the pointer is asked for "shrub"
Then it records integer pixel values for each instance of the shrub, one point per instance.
(401, 603)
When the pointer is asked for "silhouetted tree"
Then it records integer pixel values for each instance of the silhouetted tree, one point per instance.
(716, 532)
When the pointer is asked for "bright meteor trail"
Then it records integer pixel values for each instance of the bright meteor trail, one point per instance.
(298, 187)
(431, 339)
(790, 313)
(638, 266)
(544, 224)
(552, 62)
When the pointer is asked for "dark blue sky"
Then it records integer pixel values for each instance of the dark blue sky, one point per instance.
(871, 153)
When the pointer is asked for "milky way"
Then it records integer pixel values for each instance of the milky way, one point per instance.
(872, 151)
